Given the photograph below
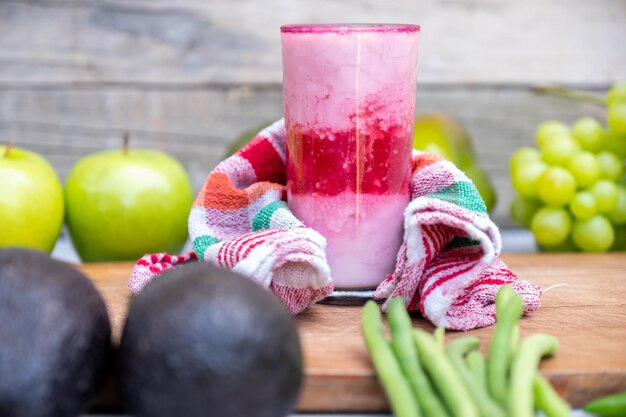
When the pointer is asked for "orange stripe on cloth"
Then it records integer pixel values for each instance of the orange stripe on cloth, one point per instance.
(219, 193)
(425, 159)
(260, 188)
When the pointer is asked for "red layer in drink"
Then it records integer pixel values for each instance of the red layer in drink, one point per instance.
(324, 162)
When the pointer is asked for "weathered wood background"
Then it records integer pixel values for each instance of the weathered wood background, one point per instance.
(187, 76)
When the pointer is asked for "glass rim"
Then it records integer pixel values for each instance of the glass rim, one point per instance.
(342, 28)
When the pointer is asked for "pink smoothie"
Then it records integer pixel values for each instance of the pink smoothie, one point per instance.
(349, 101)
(363, 236)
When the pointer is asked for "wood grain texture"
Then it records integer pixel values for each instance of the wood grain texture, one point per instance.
(587, 314)
(187, 76)
(190, 41)
(196, 126)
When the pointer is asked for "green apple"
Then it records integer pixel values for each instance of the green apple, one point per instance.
(31, 200)
(125, 203)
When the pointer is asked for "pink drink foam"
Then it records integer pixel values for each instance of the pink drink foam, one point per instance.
(331, 76)
(362, 246)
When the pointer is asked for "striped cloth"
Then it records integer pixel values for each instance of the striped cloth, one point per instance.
(448, 266)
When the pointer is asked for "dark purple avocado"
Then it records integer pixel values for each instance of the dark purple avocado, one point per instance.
(203, 341)
(55, 337)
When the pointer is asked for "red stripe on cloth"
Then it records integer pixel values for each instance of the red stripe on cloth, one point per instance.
(414, 301)
(219, 257)
(437, 267)
(441, 281)
(266, 162)
(229, 252)
(233, 248)
(260, 239)
(155, 269)
(498, 267)
(426, 240)
(430, 286)
(484, 282)
(504, 278)
(235, 245)
(433, 241)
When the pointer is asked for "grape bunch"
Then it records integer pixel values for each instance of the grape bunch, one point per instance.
(571, 189)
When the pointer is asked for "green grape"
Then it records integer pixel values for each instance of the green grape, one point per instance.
(523, 209)
(610, 165)
(616, 93)
(525, 178)
(615, 143)
(523, 156)
(585, 168)
(588, 133)
(620, 239)
(593, 235)
(618, 215)
(556, 187)
(549, 129)
(616, 117)
(551, 226)
(559, 150)
(583, 205)
(606, 194)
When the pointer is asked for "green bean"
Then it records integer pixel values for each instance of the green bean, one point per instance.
(503, 297)
(505, 293)
(613, 405)
(547, 400)
(463, 346)
(404, 347)
(456, 350)
(500, 350)
(448, 383)
(394, 383)
(478, 367)
(524, 369)
(440, 335)
(515, 338)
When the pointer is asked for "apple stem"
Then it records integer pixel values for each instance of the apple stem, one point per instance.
(8, 149)
(570, 94)
(126, 140)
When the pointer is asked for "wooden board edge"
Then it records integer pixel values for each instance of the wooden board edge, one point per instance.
(363, 393)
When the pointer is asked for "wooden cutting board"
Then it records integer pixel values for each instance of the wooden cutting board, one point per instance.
(587, 314)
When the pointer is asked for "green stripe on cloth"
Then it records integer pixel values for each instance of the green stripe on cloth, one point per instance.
(463, 194)
(262, 219)
(461, 242)
(201, 243)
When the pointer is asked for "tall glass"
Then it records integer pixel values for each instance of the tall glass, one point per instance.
(349, 96)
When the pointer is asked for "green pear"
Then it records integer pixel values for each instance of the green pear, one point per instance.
(442, 134)
(245, 137)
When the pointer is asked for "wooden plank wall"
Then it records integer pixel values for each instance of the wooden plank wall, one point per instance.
(187, 76)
